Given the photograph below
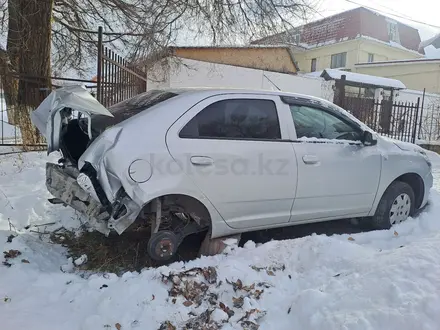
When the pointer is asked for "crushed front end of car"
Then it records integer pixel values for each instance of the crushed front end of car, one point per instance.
(84, 178)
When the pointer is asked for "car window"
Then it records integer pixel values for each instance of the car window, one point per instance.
(235, 119)
(130, 107)
(316, 123)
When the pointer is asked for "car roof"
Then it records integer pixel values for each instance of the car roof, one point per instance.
(227, 90)
(209, 91)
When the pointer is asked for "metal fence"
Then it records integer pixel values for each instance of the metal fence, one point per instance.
(397, 120)
(116, 81)
(429, 127)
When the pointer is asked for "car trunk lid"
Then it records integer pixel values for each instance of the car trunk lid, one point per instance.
(48, 118)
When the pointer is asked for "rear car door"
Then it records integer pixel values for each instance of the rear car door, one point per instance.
(234, 149)
(338, 176)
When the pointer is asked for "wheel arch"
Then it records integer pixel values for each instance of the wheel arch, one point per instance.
(416, 183)
(189, 203)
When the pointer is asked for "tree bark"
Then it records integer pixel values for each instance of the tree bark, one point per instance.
(34, 62)
(9, 61)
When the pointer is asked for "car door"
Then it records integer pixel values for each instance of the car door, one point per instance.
(338, 176)
(234, 149)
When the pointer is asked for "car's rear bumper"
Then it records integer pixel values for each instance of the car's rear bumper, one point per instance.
(62, 184)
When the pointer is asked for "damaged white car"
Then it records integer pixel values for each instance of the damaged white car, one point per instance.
(224, 162)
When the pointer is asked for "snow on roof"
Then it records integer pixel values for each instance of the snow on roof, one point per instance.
(234, 46)
(362, 79)
(313, 74)
(434, 41)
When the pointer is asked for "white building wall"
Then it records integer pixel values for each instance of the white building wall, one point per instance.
(191, 73)
(409, 95)
(428, 130)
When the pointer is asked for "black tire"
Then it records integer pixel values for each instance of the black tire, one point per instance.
(381, 219)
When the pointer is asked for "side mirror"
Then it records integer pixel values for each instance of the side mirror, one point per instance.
(368, 139)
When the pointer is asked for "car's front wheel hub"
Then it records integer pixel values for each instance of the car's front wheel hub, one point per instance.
(400, 209)
(162, 246)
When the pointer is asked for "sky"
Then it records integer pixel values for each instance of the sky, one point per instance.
(425, 11)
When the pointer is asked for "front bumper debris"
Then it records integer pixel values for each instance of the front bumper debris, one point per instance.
(64, 187)
(62, 184)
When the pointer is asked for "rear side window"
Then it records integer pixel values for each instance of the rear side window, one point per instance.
(130, 107)
(235, 119)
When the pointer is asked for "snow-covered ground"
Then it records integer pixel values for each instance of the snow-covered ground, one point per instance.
(375, 280)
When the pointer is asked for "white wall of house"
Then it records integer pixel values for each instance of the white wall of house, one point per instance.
(191, 73)
(8, 133)
(409, 95)
(429, 115)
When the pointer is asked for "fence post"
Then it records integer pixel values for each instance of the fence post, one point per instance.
(340, 90)
(99, 66)
(415, 123)
(421, 113)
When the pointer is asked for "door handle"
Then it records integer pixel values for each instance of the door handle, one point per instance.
(202, 160)
(310, 159)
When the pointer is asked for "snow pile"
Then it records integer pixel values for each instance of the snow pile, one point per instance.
(376, 280)
(361, 78)
(23, 194)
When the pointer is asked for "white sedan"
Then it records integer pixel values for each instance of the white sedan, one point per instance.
(225, 162)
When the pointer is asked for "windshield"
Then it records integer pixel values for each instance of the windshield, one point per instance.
(128, 108)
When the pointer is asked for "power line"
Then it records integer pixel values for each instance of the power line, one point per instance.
(394, 14)
(392, 10)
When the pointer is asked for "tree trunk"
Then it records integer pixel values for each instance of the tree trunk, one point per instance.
(34, 62)
(9, 61)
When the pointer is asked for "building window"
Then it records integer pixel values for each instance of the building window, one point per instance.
(393, 32)
(313, 67)
(370, 58)
(296, 38)
(338, 60)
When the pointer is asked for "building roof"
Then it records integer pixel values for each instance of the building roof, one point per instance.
(359, 79)
(252, 46)
(348, 25)
(172, 50)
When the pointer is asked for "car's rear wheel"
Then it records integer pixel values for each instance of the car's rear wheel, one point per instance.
(396, 205)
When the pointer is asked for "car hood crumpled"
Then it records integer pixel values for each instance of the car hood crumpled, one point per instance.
(75, 97)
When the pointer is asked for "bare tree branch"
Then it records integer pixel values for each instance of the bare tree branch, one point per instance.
(137, 28)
